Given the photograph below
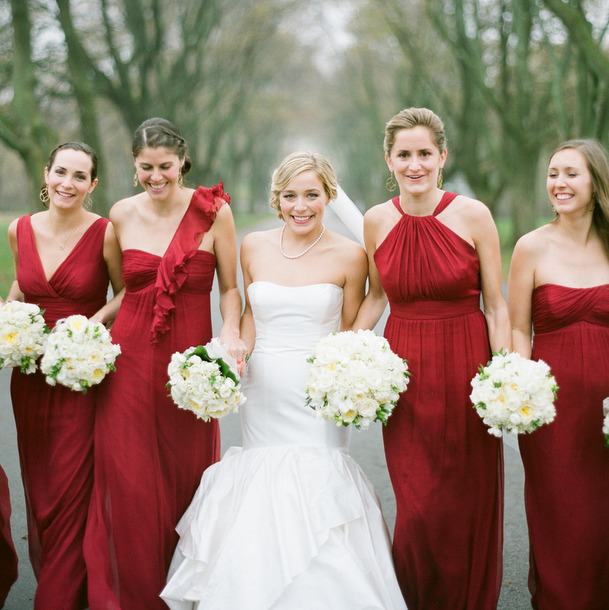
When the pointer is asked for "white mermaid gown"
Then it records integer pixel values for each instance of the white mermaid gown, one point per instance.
(289, 521)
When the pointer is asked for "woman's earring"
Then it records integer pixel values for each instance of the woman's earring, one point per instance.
(135, 180)
(391, 184)
(180, 179)
(44, 195)
(440, 179)
(88, 203)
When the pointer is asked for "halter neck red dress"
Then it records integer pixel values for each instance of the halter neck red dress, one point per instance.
(8, 556)
(55, 424)
(149, 454)
(446, 470)
(566, 464)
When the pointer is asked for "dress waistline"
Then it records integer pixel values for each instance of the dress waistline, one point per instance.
(427, 310)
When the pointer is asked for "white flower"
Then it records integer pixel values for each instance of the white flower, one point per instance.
(23, 335)
(79, 353)
(354, 378)
(514, 394)
(204, 380)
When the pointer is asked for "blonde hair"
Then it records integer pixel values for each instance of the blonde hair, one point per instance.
(414, 117)
(296, 163)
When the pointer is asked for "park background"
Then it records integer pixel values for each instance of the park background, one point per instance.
(248, 81)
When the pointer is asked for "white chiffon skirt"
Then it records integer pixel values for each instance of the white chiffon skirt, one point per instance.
(284, 527)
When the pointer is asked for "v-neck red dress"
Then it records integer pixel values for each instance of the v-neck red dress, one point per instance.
(55, 424)
(149, 454)
(566, 463)
(8, 556)
(446, 470)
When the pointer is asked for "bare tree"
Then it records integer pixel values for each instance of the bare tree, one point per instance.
(23, 126)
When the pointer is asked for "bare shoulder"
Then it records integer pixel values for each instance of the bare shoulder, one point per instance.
(12, 227)
(345, 247)
(535, 242)
(470, 208)
(125, 208)
(258, 239)
(378, 212)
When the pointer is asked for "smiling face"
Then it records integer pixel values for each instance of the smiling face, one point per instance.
(569, 183)
(415, 160)
(302, 202)
(68, 179)
(158, 170)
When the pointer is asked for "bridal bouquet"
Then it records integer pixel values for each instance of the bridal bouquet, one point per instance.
(204, 380)
(606, 420)
(354, 378)
(514, 394)
(23, 335)
(79, 353)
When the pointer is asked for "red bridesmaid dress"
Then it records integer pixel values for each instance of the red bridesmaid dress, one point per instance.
(55, 424)
(446, 470)
(566, 464)
(8, 556)
(149, 454)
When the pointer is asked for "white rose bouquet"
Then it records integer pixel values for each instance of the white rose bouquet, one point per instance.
(79, 354)
(514, 394)
(606, 420)
(23, 335)
(204, 380)
(355, 378)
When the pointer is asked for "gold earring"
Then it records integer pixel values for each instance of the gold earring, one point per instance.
(88, 203)
(44, 195)
(180, 179)
(391, 184)
(135, 180)
(440, 178)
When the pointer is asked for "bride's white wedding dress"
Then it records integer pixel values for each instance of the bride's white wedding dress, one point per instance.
(289, 521)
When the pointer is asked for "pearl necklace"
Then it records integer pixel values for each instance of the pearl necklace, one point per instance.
(323, 228)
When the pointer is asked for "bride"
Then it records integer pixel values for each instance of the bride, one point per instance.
(290, 520)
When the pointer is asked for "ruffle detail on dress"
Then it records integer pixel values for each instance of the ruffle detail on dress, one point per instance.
(172, 272)
(269, 525)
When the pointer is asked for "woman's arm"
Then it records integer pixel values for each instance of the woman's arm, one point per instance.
(486, 242)
(248, 327)
(225, 249)
(14, 293)
(354, 288)
(114, 259)
(374, 303)
(521, 283)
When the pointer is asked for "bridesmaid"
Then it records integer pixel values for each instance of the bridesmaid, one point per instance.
(559, 288)
(8, 556)
(64, 259)
(431, 253)
(150, 455)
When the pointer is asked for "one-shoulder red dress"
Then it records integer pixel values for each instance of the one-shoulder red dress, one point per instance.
(8, 556)
(149, 454)
(446, 470)
(566, 463)
(55, 424)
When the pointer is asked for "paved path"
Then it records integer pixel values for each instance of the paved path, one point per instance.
(366, 448)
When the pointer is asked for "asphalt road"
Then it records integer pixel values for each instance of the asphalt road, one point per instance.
(366, 448)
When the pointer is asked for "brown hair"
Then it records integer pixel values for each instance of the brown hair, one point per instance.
(598, 166)
(161, 133)
(80, 146)
(413, 117)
